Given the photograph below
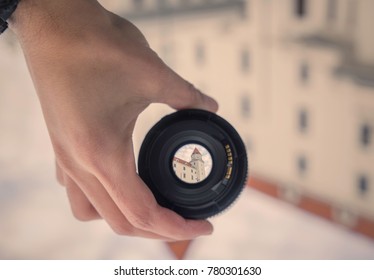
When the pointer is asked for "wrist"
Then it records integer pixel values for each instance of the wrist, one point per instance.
(36, 20)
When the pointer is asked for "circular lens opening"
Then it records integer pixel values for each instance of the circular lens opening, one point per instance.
(192, 163)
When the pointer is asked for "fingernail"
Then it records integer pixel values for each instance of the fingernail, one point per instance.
(211, 103)
(209, 230)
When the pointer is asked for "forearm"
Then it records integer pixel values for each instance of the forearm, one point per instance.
(55, 35)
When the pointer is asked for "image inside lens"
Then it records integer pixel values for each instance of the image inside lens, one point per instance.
(192, 163)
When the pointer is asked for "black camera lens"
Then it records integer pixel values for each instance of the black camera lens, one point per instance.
(194, 162)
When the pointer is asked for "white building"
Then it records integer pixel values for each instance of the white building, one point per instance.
(192, 171)
(296, 78)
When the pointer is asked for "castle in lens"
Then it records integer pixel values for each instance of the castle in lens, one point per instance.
(194, 162)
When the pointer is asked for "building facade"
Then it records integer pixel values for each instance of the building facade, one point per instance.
(295, 77)
(190, 172)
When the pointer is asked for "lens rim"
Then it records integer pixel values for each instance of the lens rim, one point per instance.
(209, 196)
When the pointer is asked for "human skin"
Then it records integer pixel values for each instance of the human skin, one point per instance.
(94, 73)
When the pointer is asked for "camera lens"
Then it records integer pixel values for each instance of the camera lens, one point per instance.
(194, 162)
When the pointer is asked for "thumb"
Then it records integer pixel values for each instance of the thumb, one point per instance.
(181, 94)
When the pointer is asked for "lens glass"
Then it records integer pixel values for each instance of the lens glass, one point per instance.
(192, 163)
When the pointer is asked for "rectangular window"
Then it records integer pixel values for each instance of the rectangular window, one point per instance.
(362, 185)
(304, 71)
(245, 106)
(302, 165)
(300, 8)
(162, 3)
(303, 120)
(200, 53)
(184, 168)
(331, 10)
(191, 177)
(365, 134)
(244, 61)
(184, 175)
(174, 165)
(352, 14)
(139, 4)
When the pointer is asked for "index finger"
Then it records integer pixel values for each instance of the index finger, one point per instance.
(181, 94)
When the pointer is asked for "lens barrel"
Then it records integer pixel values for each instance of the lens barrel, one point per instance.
(216, 146)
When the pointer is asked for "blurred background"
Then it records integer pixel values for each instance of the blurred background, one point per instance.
(295, 77)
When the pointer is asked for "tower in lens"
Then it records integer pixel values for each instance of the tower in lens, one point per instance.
(192, 163)
(198, 163)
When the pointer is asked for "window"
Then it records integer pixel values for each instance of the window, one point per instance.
(365, 134)
(138, 4)
(303, 120)
(162, 3)
(351, 19)
(200, 53)
(362, 184)
(184, 175)
(331, 10)
(245, 106)
(302, 165)
(304, 71)
(174, 165)
(244, 60)
(184, 168)
(300, 8)
(191, 177)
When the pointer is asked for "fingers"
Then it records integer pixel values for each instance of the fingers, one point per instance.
(92, 195)
(136, 201)
(83, 209)
(116, 193)
(180, 94)
(170, 222)
(80, 205)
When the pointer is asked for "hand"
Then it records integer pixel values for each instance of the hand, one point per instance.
(94, 74)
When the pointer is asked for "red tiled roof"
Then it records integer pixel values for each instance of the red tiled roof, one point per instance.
(196, 151)
(182, 161)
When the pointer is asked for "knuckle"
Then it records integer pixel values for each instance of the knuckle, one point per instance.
(60, 176)
(60, 179)
(123, 229)
(142, 220)
(88, 150)
(196, 96)
(62, 158)
(82, 144)
(83, 216)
